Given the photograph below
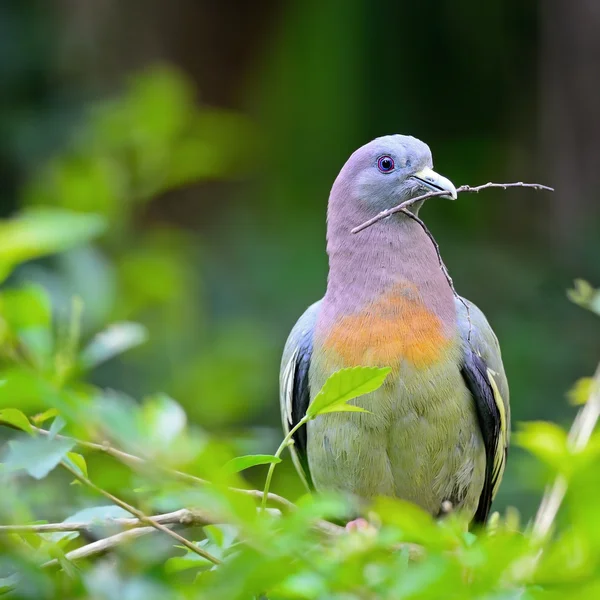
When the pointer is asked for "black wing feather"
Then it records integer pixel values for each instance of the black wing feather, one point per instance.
(475, 374)
(301, 400)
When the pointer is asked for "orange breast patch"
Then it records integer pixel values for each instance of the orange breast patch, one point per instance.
(396, 327)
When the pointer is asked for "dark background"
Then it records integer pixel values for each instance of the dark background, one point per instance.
(219, 264)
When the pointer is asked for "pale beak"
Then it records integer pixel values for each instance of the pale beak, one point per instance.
(435, 182)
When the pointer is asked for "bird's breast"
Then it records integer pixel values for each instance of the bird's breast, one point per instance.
(396, 328)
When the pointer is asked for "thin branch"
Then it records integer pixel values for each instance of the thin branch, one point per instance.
(579, 436)
(442, 264)
(179, 517)
(135, 530)
(396, 209)
(137, 461)
(183, 516)
(463, 188)
(534, 186)
(100, 546)
(140, 515)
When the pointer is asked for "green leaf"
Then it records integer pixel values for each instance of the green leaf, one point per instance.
(14, 417)
(585, 295)
(38, 456)
(581, 391)
(28, 314)
(415, 524)
(111, 342)
(547, 441)
(162, 419)
(222, 536)
(77, 461)
(57, 426)
(41, 232)
(26, 307)
(42, 417)
(345, 385)
(240, 463)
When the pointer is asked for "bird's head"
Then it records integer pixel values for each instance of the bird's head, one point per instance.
(387, 171)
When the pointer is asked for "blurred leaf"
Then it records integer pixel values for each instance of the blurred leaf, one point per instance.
(547, 441)
(581, 391)
(77, 461)
(9, 583)
(163, 419)
(585, 295)
(16, 418)
(153, 428)
(28, 315)
(415, 524)
(214, 545)
(345, 385)
(95, 515)
(38, 456)
(40, 232)
(99, 513)
(222, 536)
(42, 417)
(240, 463)
(27, 306)
(111, 342)
(57, 426)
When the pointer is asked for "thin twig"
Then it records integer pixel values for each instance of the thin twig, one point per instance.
(132, 460)
(579, 436)
(179, 517)
(140, 515)
(183, 516)
(463, 188)
(396, 209)
(134, 528)
(442, 264)
(100, 546)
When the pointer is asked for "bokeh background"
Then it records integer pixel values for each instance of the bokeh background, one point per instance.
(207, 135)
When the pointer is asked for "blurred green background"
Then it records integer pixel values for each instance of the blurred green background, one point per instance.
(207, 135)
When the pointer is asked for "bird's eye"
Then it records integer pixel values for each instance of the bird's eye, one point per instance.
(385, 164)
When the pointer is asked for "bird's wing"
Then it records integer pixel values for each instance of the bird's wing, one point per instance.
(484, 375)
(294, 393)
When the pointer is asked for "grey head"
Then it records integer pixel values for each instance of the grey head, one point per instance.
(384, 173)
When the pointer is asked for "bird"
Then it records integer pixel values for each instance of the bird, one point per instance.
(436, 433)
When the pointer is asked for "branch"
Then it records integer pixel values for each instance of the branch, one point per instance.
(132, 460)
(579, 436)
(140, 515)
(442, 264)
(179, 517)
(463, 188)
(136, 529)
(183, 516)
(101, 546)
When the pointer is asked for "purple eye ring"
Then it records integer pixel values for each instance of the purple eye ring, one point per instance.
(385, 164)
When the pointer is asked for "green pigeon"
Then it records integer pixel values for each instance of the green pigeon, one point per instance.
(437, 431)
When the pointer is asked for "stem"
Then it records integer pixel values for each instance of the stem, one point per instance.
(286, 442)
(182, 516)
(136, 461)
(463, 188)
(579, 436)
(140, 515)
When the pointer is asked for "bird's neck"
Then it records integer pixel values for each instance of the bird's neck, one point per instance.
(393, 259)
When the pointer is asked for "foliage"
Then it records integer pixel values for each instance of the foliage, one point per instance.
(83, 463)
(283, 553)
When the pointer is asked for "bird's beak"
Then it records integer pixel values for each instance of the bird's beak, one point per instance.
(435, 182)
